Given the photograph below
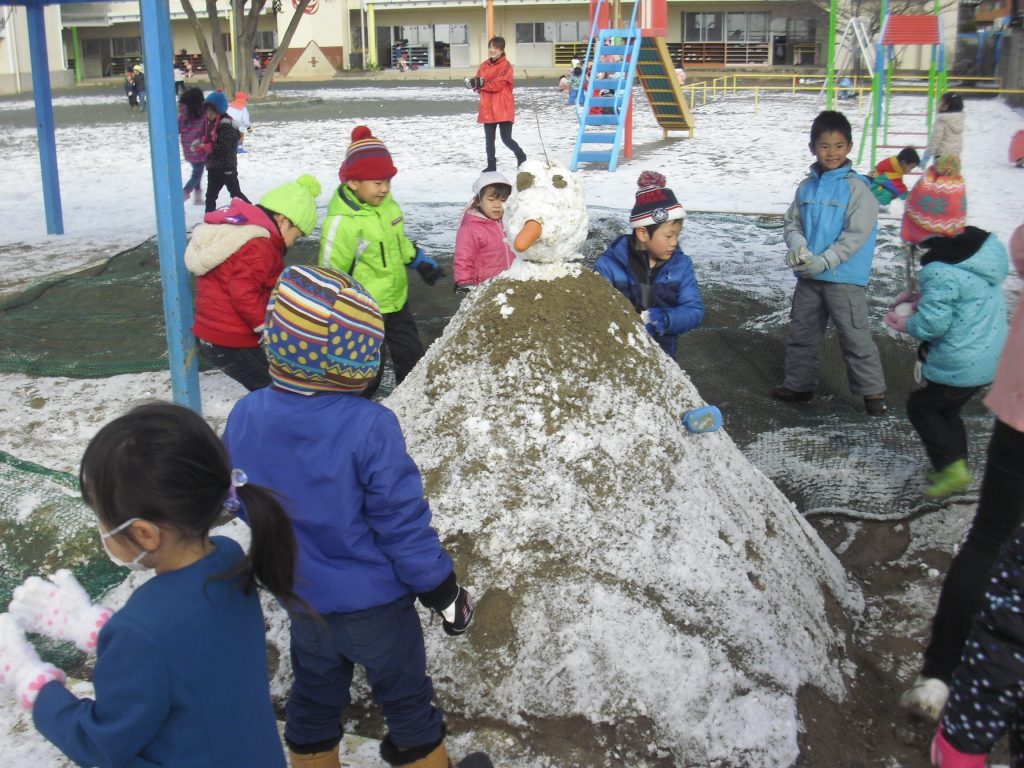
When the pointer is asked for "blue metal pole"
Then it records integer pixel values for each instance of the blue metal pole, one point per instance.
(170, 214)
(44, 118)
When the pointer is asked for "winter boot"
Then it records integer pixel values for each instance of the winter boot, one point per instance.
(197, 197)
(186, 194)
(926, 697)
(790, 395)
(952, 479)
(426, 756)
(874, 405)
(329, 759)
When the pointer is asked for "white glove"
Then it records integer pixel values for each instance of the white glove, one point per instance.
(21, 669)
(60, 609)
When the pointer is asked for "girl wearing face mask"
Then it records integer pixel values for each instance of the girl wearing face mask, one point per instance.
(181, 670)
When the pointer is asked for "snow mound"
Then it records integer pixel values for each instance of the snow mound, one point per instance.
(627, 573)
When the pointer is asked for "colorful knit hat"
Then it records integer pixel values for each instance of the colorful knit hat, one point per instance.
(218, 101)
(367, 159)
(296, 200)
(655, 203)
(937, 205)
(323, 332)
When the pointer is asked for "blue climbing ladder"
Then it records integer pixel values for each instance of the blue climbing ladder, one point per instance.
(607, 90)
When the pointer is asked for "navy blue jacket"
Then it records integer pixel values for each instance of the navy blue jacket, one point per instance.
(180, 679)
(353, 493)
(674, 289)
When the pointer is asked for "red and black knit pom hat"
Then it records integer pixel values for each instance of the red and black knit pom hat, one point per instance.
(367, 159)
(655, 203)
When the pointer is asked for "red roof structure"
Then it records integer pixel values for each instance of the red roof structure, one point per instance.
(911, 29)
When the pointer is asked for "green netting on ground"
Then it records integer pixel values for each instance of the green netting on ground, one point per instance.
(45, 525)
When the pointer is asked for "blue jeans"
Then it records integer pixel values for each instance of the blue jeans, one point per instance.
(388, 642)
(196, 179)
(246, 365)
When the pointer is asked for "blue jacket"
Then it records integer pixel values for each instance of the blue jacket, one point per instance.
(962, 313)
(180, 679)
(354, 495)
(674, 289)
(835, 211)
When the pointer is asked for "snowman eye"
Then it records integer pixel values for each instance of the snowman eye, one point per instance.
(524, 180)
(558, 182)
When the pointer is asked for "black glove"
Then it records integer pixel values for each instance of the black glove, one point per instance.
(449, 598)
(430, 271)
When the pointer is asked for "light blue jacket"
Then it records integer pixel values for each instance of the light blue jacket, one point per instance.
(835, 211)
(962, 313)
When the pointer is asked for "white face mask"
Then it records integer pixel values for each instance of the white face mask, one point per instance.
(136, 564)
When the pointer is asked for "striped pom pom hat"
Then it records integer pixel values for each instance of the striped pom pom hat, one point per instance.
(367, 159)
(323, 332)
(937, 205)
(655, 203)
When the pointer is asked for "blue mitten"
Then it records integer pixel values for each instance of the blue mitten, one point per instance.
(428, 269)
(657, 322)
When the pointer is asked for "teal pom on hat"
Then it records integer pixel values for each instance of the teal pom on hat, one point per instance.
(296, 200)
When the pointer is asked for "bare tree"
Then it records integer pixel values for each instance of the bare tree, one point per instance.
(215, 56)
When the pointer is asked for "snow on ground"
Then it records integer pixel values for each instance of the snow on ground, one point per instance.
(739, 160)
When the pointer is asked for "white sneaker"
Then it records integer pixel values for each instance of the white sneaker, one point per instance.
(926, 697)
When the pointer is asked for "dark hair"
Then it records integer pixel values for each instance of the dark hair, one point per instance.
(161, 462)
(953, 102)
(192, 100)
(909, 155)
(830, 120)
(497, 42)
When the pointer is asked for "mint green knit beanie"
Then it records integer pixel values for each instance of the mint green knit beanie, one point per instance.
(296, 200)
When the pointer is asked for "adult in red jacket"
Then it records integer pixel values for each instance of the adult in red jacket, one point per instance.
(497, 105)
(238, 255)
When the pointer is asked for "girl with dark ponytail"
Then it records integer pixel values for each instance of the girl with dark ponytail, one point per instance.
(181, 669)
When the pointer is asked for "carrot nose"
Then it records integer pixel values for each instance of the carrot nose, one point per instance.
(528, 235)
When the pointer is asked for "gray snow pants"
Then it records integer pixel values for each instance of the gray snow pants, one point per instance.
(814, 302)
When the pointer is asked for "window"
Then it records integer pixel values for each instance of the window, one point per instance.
(267, 39)
(702, 27)
(537, 32)
(800, 29)
(92, 49)
(736, 27)
(573, 31)
(757, 27)
(459, 34)
(421, 34)
(126, 46)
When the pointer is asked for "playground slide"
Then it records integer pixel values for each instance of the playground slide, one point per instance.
(661, 84)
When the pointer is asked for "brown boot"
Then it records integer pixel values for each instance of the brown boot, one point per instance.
(327, 759)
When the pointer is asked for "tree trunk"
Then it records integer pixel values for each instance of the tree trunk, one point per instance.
(282, 46)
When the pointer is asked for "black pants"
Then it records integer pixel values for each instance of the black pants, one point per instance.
(934, 410)
(402, 338)
(216, 181)
(1000, 513)
(506, 139)
(246, 365)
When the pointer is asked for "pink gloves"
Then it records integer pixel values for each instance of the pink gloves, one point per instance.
(21, 669)
(60, 609)
(896, 322)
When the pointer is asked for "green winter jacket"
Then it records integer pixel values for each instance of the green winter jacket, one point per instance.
(369, 243)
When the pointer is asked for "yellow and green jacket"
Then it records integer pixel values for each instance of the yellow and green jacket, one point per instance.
(369, 243)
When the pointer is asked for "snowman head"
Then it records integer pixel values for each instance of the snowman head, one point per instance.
(546, 216)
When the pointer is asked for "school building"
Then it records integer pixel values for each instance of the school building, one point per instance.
(335, 35)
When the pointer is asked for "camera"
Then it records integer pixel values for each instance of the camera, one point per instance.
(476, 83)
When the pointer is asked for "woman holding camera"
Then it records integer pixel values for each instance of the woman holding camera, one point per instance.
(493, 82)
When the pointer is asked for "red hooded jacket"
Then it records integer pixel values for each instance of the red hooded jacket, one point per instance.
(497, 105)
(238, 255)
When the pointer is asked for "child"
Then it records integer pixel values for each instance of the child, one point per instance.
(494, 83)
(947, 135)
(649, 268)
(364, 236)
(129, 90)
(480, 248)
(960, 316)
(219, 146)
(181, 669)
(887, 178)
(355, 497)
(237, 255)
(191, 123)
(238, 111)
(830, 230)
(139, 86)
(1000, 512)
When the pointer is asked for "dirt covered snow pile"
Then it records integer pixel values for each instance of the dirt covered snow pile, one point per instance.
(643, 593)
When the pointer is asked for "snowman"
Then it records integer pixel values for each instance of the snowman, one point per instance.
(546, 215)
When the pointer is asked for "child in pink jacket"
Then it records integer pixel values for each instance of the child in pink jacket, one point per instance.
(480, 248)
(1000, 512)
